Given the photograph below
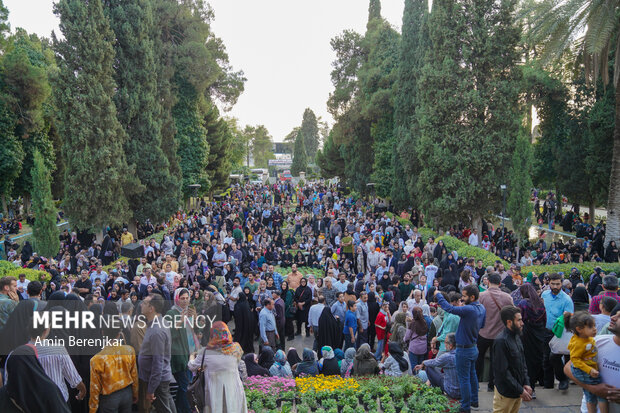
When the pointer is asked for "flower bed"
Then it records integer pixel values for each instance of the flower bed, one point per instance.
(333, 394)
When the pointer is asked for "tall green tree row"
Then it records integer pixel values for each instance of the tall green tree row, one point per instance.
(98, 179)
(139, 109)
(164, 69)
(364, 78)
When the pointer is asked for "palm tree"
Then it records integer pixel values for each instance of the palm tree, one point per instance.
(593, 28)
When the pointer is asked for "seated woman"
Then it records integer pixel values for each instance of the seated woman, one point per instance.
(364, 363)
(328, 365)
(252, 367)
(280, 367)
(300, 260)
(396, 364)
(308, 366)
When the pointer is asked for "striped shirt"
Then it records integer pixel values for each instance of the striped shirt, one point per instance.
(58, 366)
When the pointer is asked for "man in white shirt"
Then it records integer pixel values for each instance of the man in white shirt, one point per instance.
(473, 238)
(430, 271)
(22, 286)
(608, 346)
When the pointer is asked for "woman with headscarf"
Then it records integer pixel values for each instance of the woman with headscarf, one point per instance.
(288, 296)
(395, 364)
(450, 276)
(303, 301)
(426, 312)
(265, 357)
(220, 361)
(399, 329)
(364, 363)
(330, 331)
(416, 337)
(252, 367)
(292, 357)
(534, 331)
(581, 299)
(184, 343)
(373, 311)
(328, 365)
(385, 281)
(308, 366)
(346, 365)
(28, 389)
(280, 367)
(245, 324)
(611, 254)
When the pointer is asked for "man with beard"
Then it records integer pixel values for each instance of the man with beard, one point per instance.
(473, 316)
(557, 302)
(511, 379)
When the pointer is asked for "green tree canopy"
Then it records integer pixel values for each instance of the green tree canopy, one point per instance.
(45, 232)
(300, 160)
(98, 179)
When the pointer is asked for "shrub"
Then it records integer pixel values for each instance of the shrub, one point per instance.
(8, 269)
(586, 268)
(466, 250)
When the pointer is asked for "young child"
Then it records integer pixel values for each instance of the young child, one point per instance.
(583, 354)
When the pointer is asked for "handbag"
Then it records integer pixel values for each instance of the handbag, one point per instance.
(196, 389)
(560, 345)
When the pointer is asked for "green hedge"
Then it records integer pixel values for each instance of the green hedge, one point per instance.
(586, 268)
(8, 269)
(466, 250)
(454, 244)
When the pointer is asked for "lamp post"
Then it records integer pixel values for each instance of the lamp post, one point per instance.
(194, 188)
(503, 188)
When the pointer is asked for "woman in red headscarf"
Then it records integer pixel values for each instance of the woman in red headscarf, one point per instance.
(220, 362)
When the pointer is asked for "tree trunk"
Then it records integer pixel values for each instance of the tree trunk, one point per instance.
(613, 202)
(27, 204)
(5, 208)
(476, 223)
(592, 212)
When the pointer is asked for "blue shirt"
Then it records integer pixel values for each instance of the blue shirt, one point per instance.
(267, 322)
(472, 320)
(362, 313)
(350, 321)
(556, 305)
(339, 309)
(277, 280)
(447, 362)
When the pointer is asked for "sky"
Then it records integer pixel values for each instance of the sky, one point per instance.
(282, 46)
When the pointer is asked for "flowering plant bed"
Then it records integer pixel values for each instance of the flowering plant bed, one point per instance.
(333, 394)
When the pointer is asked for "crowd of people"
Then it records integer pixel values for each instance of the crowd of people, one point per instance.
(282, 263)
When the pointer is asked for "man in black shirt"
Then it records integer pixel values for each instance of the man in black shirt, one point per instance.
(511, 380)
(84, 285)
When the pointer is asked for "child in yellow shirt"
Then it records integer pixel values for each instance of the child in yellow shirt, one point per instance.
(583, 355)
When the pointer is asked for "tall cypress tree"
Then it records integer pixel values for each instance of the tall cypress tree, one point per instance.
(518, 206)
(220, 139)
(45, 232)
(300, 160)
(310, 132)
(468, 111)
(193, 149)
(98, 179)
(377, 77)
(139, 109)
(413, 44)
